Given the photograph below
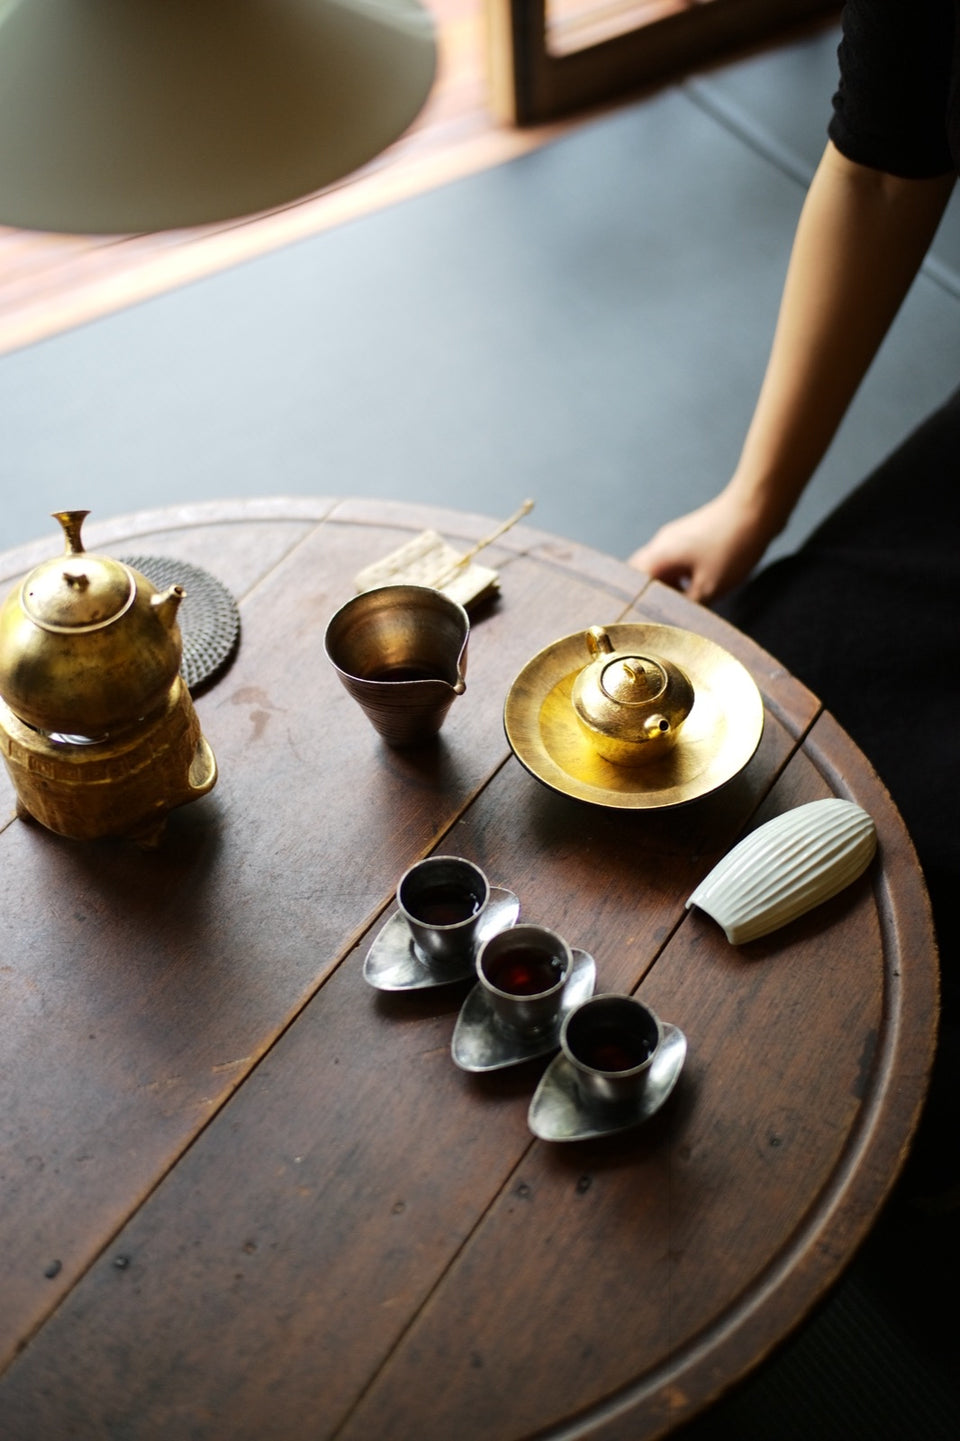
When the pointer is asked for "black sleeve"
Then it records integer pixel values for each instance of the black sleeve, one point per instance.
(891, 109)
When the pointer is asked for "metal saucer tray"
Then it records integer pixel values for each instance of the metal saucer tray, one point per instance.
(719, 736)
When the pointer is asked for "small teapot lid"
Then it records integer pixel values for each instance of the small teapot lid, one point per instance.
(78, 591)
(633, 679)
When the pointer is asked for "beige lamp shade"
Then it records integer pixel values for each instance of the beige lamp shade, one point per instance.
(131, 115)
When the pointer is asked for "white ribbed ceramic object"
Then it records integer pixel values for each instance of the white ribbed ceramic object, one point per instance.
(786, 867)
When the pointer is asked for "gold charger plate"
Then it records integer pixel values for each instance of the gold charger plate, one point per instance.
(718, 737)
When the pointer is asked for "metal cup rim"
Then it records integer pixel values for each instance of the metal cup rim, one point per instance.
(583, 1066)
(470, 920)
(400, 593)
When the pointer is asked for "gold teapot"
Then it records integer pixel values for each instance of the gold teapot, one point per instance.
(98, 730)
(630, 707)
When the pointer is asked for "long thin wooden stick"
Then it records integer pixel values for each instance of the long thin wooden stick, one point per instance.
(468, 555)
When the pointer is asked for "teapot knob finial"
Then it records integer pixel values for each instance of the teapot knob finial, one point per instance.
(72, 520)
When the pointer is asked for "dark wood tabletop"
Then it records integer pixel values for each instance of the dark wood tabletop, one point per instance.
(247, 1196)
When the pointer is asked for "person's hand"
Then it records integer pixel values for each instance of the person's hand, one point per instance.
(708, 551)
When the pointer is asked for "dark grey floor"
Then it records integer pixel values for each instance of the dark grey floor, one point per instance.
(586, 325)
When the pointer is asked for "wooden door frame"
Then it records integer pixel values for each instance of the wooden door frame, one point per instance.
(529, 84)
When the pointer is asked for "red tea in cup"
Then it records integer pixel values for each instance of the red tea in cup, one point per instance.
(524, 970)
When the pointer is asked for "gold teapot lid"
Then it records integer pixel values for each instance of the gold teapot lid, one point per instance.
(633, 679)
(79, 591)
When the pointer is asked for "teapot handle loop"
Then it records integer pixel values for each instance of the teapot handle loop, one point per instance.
(598, 642)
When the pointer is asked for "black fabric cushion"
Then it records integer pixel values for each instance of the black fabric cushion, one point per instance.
(867, 614)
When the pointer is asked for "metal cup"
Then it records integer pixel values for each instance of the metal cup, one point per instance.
(443, 899)
(611, 1040)
(401, 652)
(524, 970)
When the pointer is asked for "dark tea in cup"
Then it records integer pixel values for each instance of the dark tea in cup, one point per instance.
(445, 904)
(611, 1049)
(611, 1041)
(443, 899)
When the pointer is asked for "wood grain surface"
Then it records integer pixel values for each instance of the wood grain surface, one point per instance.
(247, 1196)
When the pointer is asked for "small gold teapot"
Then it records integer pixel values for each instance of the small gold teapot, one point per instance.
(97, 728)
(630, 707)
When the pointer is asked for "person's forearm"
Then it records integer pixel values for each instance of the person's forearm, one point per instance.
(861, 239)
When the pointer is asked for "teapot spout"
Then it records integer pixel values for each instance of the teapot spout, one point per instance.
(166, 605)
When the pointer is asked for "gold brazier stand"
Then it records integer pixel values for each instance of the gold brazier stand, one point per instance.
(98, 730)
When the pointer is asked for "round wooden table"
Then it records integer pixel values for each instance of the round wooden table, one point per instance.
(248, 1196)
